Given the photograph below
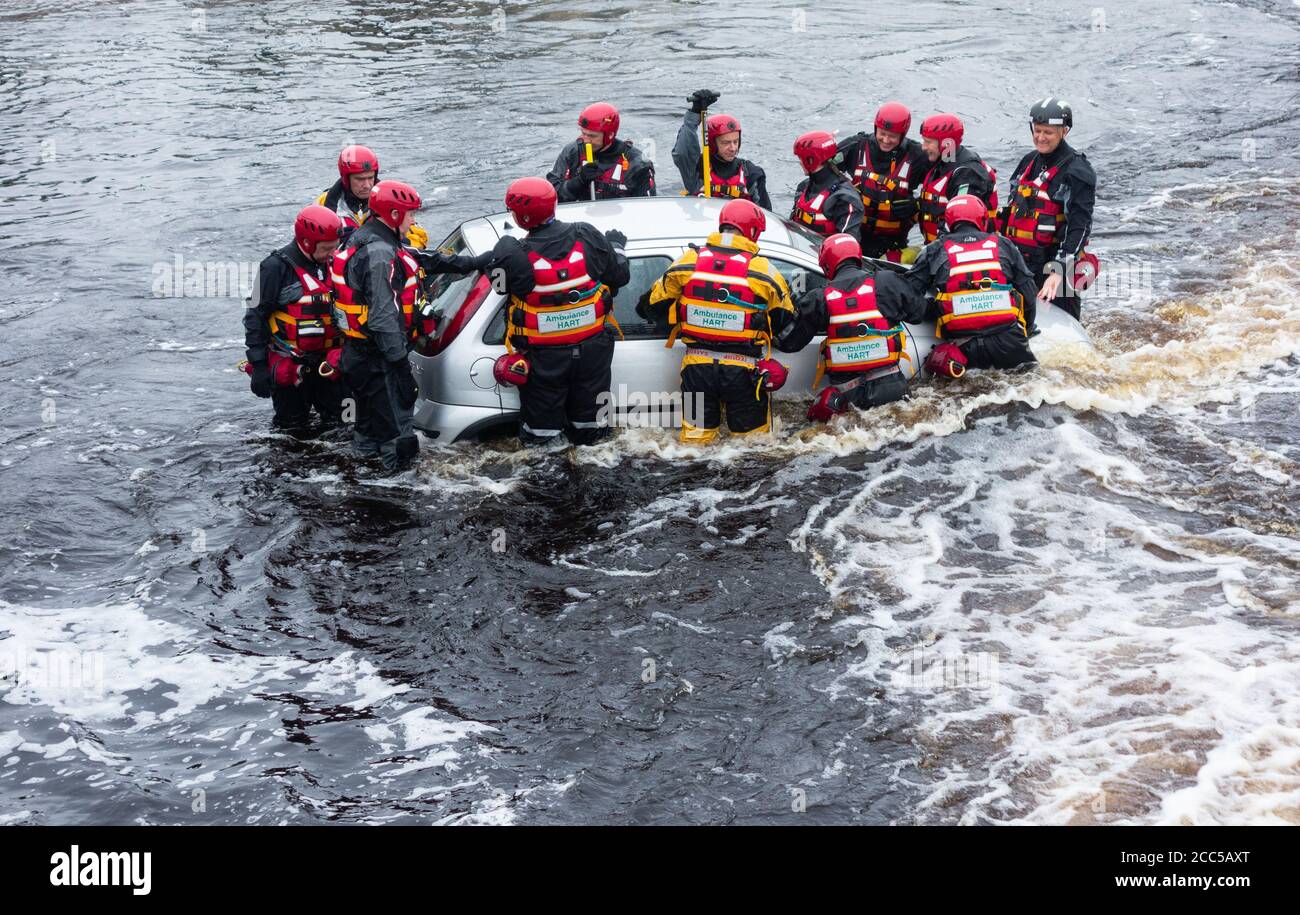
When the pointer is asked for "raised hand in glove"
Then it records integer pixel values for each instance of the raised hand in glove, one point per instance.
(701, 99)
(616, 238)
(261, 379)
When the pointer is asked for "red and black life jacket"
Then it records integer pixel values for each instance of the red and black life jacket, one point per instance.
(858, 337)
(878, 190)
(933, 197)
(305, 324)
(352, 314)
(808, 209)
(1034, 219)
(735, 186)
(717, 303)
(977, 296)
(566, 305)
(612, 182)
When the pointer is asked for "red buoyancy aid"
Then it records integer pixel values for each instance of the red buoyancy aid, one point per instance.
(808, 210)
(305, 324)
(717, 303)
(566, 305)
(735, 186)
(933, 199)
(977, 296)
(859, 338)
(352, 314)
(1034, 219)
(878, 190)
(612, 182)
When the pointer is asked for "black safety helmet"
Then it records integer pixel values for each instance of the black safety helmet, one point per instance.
(1052, 111)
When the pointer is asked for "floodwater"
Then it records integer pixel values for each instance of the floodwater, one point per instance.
(1063, 597)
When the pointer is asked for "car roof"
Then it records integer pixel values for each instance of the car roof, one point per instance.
(652, 221)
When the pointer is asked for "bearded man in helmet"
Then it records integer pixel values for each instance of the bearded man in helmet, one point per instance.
(885, 165)
(1049, 213)
(727, 302)
(953, 169)
(861, 311)
(983, 293)
(292, 343)
(379, 308)
(561, 279)
(730, 176)
(598, 165)
(826, 200)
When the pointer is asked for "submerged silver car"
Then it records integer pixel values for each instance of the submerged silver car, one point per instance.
(459, 396)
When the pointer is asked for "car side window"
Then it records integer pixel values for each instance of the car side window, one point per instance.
(798, 277)
(645, 271)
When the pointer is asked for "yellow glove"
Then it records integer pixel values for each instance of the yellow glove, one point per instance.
(417, 236)
(910, 254)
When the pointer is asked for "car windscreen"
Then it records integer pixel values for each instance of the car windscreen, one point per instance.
(644, 270)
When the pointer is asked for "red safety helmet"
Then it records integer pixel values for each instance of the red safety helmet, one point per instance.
(717, 125)
(316, 223)
(511, 369)
(600, 116)
(393, 195)
(745, 216)
(946, 359)
(1086, 268)
(357, 159)
(966, 208)
(773, 374)
(814, 150)
(894, 117)
(825, 405)
(943, 126)
(837, 249)
(532, 201)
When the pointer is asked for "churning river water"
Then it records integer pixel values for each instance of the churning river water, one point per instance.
(1064, 597)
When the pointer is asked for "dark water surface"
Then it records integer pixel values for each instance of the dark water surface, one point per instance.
(1063, 597)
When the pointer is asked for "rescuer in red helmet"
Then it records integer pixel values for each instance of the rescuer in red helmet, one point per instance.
(983, 293)
(350, 195)
(1049, 212)
(861, 311)
(379, 309)
(886, 165)
(826, 200)
(727, 302)
(729, 175)
(292, 343)
(953, 169)
(598, 165)
(561, 278)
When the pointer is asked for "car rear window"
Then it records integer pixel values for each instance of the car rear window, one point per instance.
(644, 270)
(799, 278)
(448, 290)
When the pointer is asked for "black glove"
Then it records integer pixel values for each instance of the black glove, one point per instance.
(616, 238)
(408, 392)
(589, 172)
(261, 381)
(903, 209)
(701, 99)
